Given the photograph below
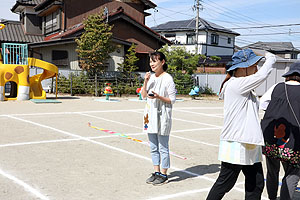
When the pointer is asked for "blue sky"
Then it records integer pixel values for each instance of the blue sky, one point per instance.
(238, 14)
(228, 13)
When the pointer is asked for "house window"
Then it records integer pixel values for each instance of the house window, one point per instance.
(190, 38)
(294, 56)
(214, 39)
(51, 22)
(172, 37)
(229, 40)
(168, 35)
(60, 58)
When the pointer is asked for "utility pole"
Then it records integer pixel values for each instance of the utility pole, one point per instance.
(197, 24)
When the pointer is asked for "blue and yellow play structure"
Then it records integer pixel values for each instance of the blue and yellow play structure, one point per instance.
(14, 68)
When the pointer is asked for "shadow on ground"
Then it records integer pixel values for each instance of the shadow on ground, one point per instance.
(199, 169)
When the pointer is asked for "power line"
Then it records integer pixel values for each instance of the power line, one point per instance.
(266, 26)
(175, 11)
(256, 34)
(239, 17)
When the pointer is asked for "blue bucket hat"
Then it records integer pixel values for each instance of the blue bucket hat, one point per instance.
(294, 69)
(243, 59)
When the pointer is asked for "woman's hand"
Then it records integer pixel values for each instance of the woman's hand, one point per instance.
(147, 77)
(155, 95)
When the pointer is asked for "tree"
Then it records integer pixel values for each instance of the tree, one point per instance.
(180, 60)
(129, 64)
(94, 45)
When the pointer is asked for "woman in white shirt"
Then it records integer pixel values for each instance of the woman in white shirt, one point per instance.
(241, 138)
(159, 89)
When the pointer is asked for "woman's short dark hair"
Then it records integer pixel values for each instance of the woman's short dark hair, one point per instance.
(160, 56)
(293, 77)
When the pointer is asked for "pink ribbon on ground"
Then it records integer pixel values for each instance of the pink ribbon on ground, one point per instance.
(131, 138)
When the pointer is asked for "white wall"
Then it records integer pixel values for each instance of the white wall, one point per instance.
(214, 81)
(70, 48)
(220, 49)
(215, 50)
(117, 56)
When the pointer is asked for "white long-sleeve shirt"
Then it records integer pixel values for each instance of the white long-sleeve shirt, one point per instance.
(157, 113)
(266, 98)
(241, 119)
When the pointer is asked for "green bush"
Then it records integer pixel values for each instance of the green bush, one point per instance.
(207, 90)
(183, 82)
(63, 85)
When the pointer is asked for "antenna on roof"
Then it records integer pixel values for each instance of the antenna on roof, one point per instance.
(106, 13)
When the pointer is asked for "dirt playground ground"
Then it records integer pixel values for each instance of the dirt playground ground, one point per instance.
(48, 151)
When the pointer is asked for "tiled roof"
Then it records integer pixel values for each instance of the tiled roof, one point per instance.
(149, 4)
(189, 25)
(112, 17)
(31, 2)
(274, 46)
(14, 32)
(26, 3)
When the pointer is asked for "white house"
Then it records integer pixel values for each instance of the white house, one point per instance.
(213, 40)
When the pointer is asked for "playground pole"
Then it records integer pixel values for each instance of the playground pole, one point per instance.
(56, 87)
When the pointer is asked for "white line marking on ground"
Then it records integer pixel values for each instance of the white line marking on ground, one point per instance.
(198, 108)
(195, 122)
(182, 138)
(190, 121)
(37, 142)
(106, 111)
(79, 137)
(216, 127)
(195, 129)
(115, 148)
(105, 136)
(24, 185)
(190, 192)
(203, 114)
(63, 140)
(180, 194)
(116, 122)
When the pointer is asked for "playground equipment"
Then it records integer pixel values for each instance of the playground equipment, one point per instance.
(2, 26)
(138, 91)
(14, 68)
(108, 91)
(194, 92)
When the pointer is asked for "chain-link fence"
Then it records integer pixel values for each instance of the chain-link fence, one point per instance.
(80, 82)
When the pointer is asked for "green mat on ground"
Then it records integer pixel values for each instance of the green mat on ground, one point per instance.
(45, 101)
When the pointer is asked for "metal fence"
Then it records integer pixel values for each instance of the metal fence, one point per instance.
(210, 81)
(72, 82)
(14, 53)
(79, 82)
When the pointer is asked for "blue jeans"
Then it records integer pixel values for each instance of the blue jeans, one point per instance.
(159, 146)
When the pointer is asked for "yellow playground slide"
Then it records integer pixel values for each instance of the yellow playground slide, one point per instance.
(50, 70)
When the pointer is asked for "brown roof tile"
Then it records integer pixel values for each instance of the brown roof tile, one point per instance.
(14, 32)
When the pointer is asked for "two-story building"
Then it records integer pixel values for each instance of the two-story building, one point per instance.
(213, 40)
(59, 23)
